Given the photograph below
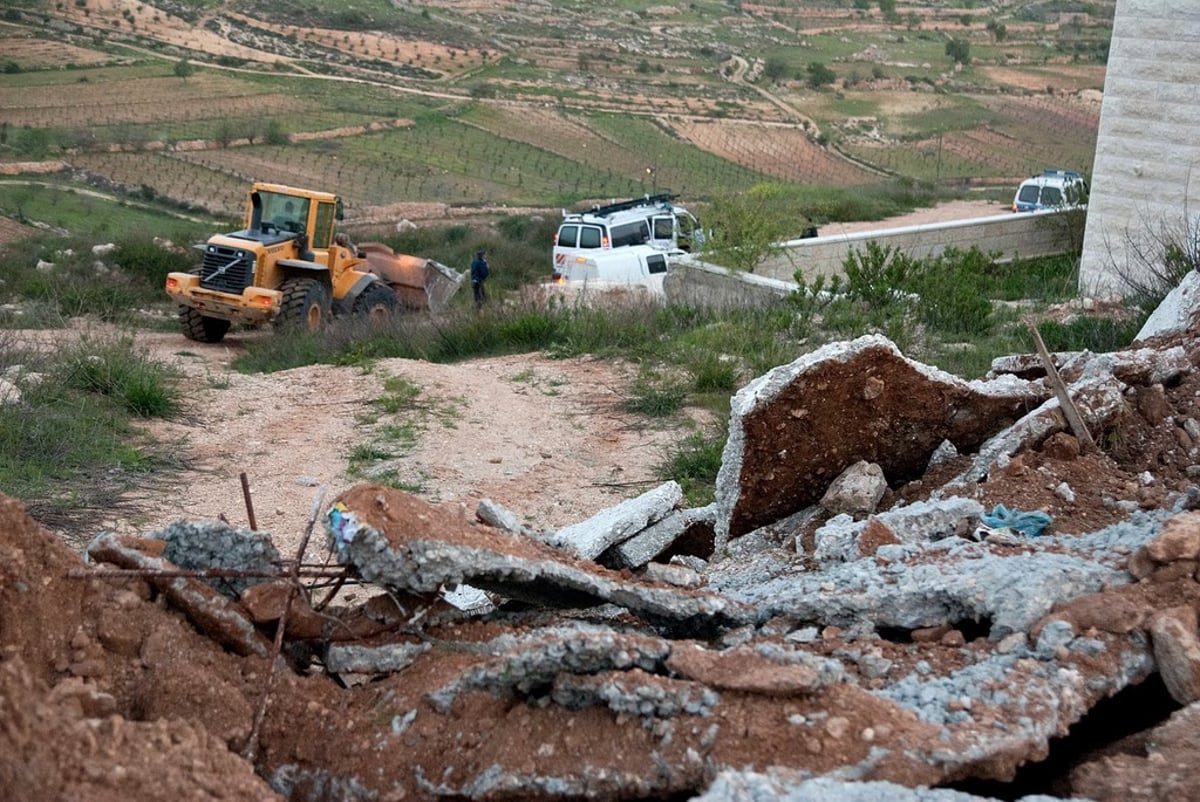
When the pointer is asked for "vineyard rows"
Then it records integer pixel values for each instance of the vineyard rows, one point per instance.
(196, 186)
(785, 153)
(1027, 136)
(143, 101)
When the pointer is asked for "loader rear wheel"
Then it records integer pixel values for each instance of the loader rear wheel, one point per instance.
(305, 304)
(376, 304)
(201, 328)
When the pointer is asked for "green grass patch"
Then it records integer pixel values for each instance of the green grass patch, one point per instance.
(694, 464)
(69, 447)
(656, 399)
(1099, 334)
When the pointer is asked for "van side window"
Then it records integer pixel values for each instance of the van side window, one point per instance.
(629, 234)
(657, 264)
(1051, 196)
(664, 227)
(589, 237)
(568, 236)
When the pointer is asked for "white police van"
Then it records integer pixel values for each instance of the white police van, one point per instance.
(1053, 189)
(620, 242)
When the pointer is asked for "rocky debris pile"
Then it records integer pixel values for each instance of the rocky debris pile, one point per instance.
(909, 587)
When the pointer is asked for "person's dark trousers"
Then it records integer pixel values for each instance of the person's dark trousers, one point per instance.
(480, 293)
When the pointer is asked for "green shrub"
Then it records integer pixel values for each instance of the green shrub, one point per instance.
(878, 275)
(953, 293)
(142, 257)
(656, 399)
(114, 368)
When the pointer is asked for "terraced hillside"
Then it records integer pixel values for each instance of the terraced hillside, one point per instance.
(477, 104)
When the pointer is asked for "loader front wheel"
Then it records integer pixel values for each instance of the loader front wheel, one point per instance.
(305, 304)
(201, 328)
(376, 304)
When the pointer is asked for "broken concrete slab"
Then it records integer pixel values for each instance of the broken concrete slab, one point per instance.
(838, 539)
(767, 669)
(1137, 366)
(498, 516)
(794, 786)
(1132, 366)
(634, 692)
(216, 615)
(399, 541)
(216, 544)
(794, 428)
(1176, 313)
(527, 664)
(656, 538)
(1099, 401)
(354, 658)
(589, 539)
(1008, 588)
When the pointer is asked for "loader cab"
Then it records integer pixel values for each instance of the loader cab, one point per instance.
(277, 214)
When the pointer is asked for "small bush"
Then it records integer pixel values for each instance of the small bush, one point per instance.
(116, 369)
(877, 275)
(953, 295)
(144, 258)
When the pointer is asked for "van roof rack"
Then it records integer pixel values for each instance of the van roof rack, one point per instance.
(645, 200)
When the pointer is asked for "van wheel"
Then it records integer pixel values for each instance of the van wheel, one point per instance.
(305, 304)
(201, 328)
(377, 304)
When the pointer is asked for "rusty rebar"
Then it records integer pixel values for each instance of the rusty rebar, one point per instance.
(200, 573)
(251, 751)
(249, 502)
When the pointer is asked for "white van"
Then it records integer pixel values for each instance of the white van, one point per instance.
(651, 222)
(638, 268)
(1053, 189)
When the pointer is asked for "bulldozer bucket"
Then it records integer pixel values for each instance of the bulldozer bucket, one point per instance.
(419, 283)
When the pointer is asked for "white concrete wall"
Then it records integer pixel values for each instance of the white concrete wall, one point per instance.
(1026, 235)
(1146, 175)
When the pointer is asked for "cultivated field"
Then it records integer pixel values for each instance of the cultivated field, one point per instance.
(543, 105)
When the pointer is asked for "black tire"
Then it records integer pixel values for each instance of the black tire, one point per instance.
(377, 303)
(305, 305)
(201, 328)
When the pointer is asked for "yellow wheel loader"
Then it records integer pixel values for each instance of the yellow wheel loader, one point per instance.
(286, 267)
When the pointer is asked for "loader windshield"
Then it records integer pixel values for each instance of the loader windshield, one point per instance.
(286, 212)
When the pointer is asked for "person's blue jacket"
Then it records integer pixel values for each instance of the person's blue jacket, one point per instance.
(479, 269)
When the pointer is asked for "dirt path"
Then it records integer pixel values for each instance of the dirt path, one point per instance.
(545, 438)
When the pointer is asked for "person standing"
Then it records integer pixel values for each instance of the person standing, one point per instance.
(479, 275)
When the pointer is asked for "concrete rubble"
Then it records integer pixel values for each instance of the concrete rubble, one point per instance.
(788, 641)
